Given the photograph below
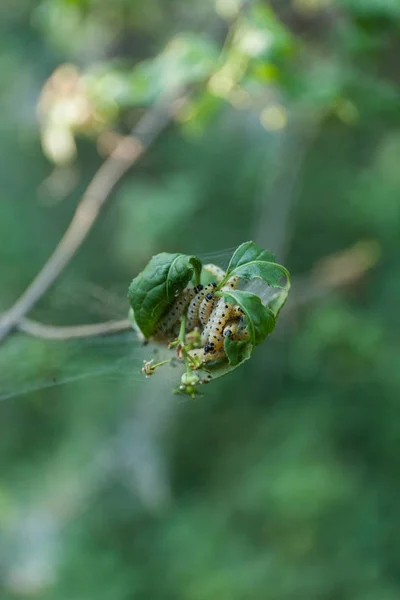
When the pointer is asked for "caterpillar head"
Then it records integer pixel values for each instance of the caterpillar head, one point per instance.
(209, 347)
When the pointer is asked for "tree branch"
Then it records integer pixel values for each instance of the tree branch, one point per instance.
(331, 272)
(51, 332)
(126, 153)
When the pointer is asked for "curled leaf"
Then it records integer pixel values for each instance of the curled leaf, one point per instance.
(260, 319)
(237, 352)
(154, 290)
(250, 261)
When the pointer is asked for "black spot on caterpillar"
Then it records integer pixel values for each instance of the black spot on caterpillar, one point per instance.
(205, 358)
(207, 304)
(236, 330)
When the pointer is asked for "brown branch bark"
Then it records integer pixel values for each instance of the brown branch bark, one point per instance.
(126, 153)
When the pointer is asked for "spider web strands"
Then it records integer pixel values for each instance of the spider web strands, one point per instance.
(116, 360)
(220, 258)
(29, 364)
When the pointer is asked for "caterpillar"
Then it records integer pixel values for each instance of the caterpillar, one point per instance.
(177, 309)
(205, 358)
(207, 305)
(205, 333)
(236, 330)
(194, 311)
(212, 337)
(223, 312)
(231, 284)
(215, 349)
(215, 271)
(217, 317)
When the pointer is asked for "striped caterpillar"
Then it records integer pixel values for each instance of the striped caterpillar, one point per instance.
(223, 311)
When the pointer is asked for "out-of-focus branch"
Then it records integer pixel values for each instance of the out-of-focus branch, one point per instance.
(52, 332)
(330, 273)
(126, 153)
(333, 272)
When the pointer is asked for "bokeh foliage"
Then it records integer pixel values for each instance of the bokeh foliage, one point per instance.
(281, 483)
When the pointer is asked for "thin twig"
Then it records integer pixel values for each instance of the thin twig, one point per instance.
(127, 152)
(51, 332)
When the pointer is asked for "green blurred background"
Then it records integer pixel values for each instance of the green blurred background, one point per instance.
(282, 481)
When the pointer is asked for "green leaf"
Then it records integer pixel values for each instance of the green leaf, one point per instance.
(260, 318)
(277, 302)
(237, 351)
(154, 290)
(250, 261)
(248, 252)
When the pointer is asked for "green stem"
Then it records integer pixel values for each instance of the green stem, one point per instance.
(181, 336)
(197, 278)
(160, 364)
(187, 363)
(181, 339)
(190, 359)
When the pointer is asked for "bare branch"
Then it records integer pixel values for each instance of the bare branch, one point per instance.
(126, 153)
(51, 332)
